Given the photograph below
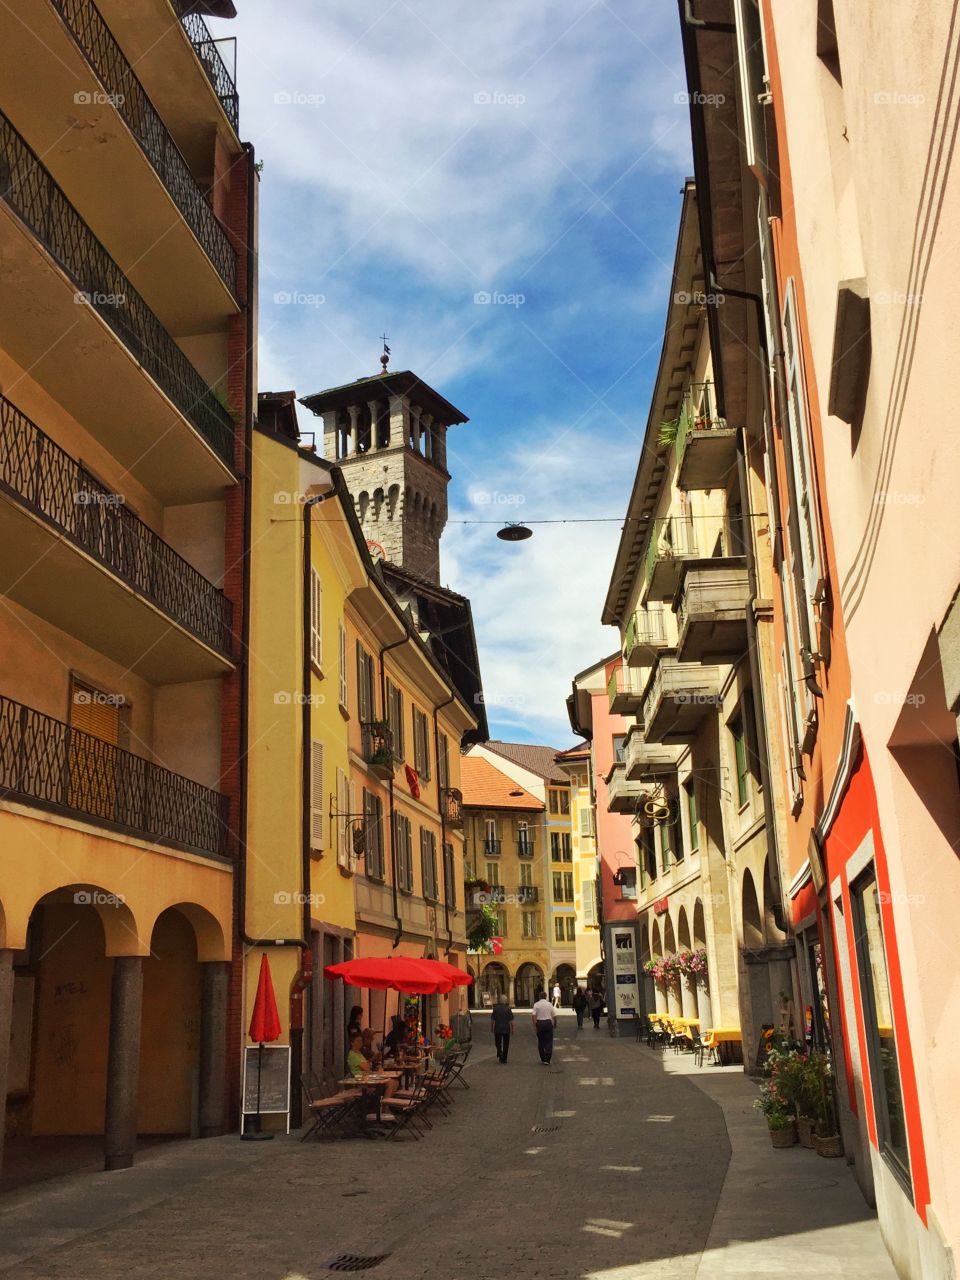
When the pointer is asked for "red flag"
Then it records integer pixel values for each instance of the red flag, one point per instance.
(496, 946)
(265, 1023)
(413, 782)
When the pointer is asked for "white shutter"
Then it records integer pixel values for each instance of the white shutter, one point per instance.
(316, 794)
(752, 67)
(342, 636)
(316, 618)
(343, 808)
(588, 893)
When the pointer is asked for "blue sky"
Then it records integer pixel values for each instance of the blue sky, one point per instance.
(416, 156)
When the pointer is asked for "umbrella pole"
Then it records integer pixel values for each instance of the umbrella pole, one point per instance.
(253, 1132)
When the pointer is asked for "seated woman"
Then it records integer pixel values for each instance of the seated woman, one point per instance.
(369, 1049)
(396, 1040)
(358, 1065)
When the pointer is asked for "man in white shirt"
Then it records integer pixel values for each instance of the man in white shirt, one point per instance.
(556, 995)
(544, 1021)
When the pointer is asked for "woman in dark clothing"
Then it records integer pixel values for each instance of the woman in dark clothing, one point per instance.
(596, 1008)
(579, 1007)
(355, 1023)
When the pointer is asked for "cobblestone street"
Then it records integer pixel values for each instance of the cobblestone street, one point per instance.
(557, 1172)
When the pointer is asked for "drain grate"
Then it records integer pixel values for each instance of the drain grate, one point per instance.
(545, 1128)
(356, 1261)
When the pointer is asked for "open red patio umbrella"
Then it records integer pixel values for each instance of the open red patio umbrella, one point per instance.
(412, 975)
(264, 1028)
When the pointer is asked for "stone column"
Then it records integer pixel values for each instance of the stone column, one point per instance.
(399, 421)
(214, 978)
(674, 1005)
(426, 427)
(415, 427)
(688, 997)
(374, 416)
(6, 1019)
(354, 426)
(704, 1008)
(660, 997)
(123, 1062)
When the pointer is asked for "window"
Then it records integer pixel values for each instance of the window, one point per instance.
(316, 619)
(878, 1017)
(648, 855)
(565, 802)
(561, 847)
(443, 760)
(428, 864)
(740, 760)
(665, 846)
(501, 922)
(342, 641)
(558, 886)
(628, 882)
(493, 873)
(395, 719)
(366, 685)
(690, 788)
(526, 874)
(530, 924)
(403, 853)
(568, 886)
(589, 898)
(345, 807)
(373, 835)
(421, 744)
(524, 839)
(586, 822)
(449, 877)
(571, 928)
(559, 801)
(618, 746)
(558, 928)
(553, 800)
(316, 794)
(491, 836)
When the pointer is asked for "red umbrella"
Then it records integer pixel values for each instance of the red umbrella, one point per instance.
(394, 973)
(264, 1027)
(457, 976)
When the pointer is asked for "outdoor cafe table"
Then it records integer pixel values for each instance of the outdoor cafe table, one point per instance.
(718, 1038)
(372, 1082)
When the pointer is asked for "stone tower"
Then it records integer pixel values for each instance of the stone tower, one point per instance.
(388, 435)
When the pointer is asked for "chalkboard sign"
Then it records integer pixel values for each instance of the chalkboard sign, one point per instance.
(274, 1080)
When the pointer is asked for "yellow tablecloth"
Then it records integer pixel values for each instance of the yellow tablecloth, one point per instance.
(721, 1035)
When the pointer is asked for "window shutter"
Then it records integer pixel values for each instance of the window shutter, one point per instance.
(589, 902)
(342, 636)
(316, 618)
(316, 794)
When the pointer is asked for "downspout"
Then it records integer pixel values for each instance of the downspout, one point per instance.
(443, 818)
(393, 817)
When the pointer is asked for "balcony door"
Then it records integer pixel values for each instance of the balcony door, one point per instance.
(95, 724)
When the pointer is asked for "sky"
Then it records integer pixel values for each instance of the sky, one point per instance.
(496, 188)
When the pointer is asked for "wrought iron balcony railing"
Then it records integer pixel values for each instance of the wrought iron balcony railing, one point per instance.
(31, 193)
(39, 474)
(127, 93)
(49, 763)
(377, 745)
(452, 801)
(491, 847)
(208, 51)
(525, 849)
(527, 894)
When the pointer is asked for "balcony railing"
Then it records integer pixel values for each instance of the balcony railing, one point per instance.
(377, 746)
(527, 894)
(491, 847)
(118, 78)
(525, 849)
(645, 632)
(208, 51)
(40, 475)
(30, 191)
(452, 801)
(624, 691)
(49, 763)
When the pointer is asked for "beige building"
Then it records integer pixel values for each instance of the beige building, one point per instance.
(576, 763)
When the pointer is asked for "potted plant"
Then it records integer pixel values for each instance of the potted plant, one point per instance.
(826, 1139)
(775, 1108)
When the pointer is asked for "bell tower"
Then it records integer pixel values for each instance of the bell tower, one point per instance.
(388, 435)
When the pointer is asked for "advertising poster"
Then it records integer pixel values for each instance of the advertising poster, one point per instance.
(625, 982)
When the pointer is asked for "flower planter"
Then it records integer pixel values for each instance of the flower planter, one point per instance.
(785, 1137)
(805, 1132)
(829, 1147)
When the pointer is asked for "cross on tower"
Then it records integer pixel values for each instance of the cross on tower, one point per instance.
(385, 358)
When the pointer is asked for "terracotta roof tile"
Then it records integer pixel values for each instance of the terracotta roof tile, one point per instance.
(537, 759)
(485, 787)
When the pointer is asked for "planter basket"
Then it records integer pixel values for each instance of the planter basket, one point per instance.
(805, 1132)
(829, 1147)
(785, 1137)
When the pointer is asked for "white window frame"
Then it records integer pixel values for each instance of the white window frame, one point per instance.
(344, 687)
(316, 619)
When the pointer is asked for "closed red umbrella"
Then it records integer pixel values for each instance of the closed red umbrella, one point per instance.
(264, 1028)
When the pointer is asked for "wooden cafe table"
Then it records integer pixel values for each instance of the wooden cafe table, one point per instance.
(372, 1082)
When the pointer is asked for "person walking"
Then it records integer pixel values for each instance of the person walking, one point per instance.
(544, 1021)
(556, 995)
(501, 1019)
(596, 1008)
(579, 1007)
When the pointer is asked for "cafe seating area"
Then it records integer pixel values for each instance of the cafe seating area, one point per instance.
(720, 1045)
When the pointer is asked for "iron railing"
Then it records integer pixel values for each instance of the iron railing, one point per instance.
(646, 627)
(451, 800)
(50, 763)
(115, 73)
(697, 413)
(525, 848)
(527, 894)
(491, 847)
(377, 745)
(30, 191)
(40, 475)
(207, 50)
(671, 536)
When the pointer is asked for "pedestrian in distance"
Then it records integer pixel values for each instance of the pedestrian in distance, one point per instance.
(544, 1021)
(596, 1008)
(579, 1007)
(501, 1020)
(556, 995)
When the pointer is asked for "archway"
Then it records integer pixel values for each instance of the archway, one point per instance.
(704, 1008)
(688, 983)
(565, 976)
(771, 930)
(170, 1027)
(528, 981)
(595, 978)
(752, 920)
(472, 989)
(674, 1001)
(494, 981)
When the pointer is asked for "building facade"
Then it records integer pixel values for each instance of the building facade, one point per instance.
(576, 763)
(127, 406)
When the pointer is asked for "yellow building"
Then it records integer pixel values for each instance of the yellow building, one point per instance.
(575, 762)
(122, 425)
(506, 861)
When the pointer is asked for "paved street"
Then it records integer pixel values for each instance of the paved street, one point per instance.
(557, 1172)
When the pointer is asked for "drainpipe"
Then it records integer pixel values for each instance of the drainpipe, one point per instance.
(393, 822)
(443, 818)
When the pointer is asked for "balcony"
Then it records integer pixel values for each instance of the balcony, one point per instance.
(527, 894)
(672, 541)
(525, 849)
(679, 698)
(222, 78)
(624, 691)
(491, 848)
(645, 637)
(623, 796)
(712, 610)
(451, 801)
(48, 764)
(646, 761)
(706, 446)
(71, 552)
(70, 316)
(377, 747)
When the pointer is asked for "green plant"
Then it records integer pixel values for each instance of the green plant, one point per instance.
(483, 930)
(773, 1104)
(668, 433)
